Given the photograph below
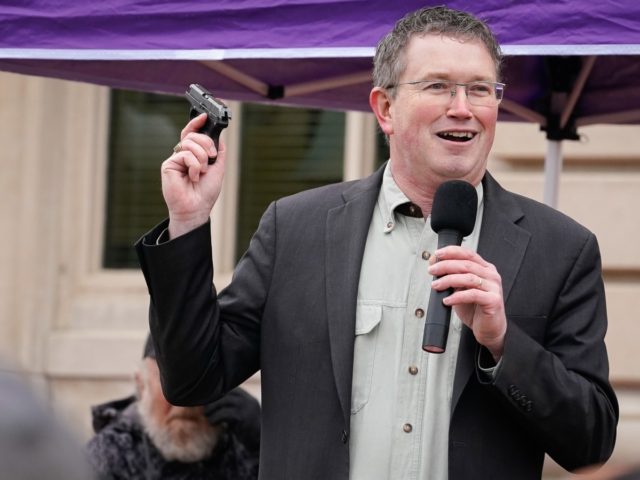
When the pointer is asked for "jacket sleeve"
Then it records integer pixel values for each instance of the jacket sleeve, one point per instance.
(559, 389)
(205, 346)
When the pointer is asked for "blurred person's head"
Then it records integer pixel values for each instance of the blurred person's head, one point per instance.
(180, 433)
(33, 442)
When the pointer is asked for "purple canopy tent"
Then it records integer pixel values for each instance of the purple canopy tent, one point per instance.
(569, 63)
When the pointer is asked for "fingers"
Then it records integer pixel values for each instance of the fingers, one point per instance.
(194, 125)
(184, 163)
(196, 145)
(191, 155)
(477, 296)
(461, 281)
(464, 274)
(200, 145)
(195, 156)
(457, 253)
(462, 269)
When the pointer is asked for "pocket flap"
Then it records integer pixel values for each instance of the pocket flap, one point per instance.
(367, 318)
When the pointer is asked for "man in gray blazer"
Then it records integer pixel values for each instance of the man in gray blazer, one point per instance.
(330, 299)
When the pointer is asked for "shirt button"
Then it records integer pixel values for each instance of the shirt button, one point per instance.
(389, 224)
(413, 370)
(407, 427)
(426, 255)
(419, 312)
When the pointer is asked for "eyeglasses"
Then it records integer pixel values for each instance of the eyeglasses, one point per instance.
(479, 94)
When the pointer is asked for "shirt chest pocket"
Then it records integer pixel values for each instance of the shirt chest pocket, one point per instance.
(368, 319)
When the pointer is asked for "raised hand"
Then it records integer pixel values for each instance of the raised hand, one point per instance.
(190, 185)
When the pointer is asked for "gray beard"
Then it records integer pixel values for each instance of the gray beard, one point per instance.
(184, 442)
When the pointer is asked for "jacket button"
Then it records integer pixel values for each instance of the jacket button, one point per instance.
(407, 427)
(345, 436)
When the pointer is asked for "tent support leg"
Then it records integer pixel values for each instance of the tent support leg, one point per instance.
(552, 169)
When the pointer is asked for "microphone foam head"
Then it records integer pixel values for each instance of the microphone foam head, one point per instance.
(454, 207)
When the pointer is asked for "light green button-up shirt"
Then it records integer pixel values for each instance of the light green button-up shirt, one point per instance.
(401, 395)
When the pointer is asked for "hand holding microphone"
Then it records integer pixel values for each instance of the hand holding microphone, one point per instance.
(453, 216)
(462, 278)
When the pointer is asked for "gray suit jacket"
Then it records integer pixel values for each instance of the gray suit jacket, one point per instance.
(290, 312)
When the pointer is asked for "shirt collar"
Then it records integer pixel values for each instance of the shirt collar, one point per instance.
(391, 197)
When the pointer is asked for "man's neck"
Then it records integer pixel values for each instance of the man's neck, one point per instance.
(419, 190)
(419, 187)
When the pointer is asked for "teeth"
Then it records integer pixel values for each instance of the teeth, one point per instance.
(467, 135)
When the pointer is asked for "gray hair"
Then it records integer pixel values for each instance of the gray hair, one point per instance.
(389, 59)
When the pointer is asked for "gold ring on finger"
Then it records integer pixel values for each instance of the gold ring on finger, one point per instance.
(177, 148)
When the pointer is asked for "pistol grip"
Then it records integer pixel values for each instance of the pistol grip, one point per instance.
(211, 129)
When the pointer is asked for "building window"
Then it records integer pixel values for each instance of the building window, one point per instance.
(284, 150)
(143, 130)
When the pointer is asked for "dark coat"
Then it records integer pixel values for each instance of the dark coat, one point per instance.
(122, 450)
(290, 312)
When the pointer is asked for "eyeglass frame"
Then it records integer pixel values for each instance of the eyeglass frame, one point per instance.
(453, 88)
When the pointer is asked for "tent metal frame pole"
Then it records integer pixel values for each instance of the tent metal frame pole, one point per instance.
(585, 71)
(523, 112)
(552, 169)
(238, 76)
(327, 84)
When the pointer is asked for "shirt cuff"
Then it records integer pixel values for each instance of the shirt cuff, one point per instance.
(487, 373)
(163, 237)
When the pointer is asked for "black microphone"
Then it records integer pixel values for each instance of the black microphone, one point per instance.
(453, 216)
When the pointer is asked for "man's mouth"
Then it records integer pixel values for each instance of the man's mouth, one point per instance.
(457, 136)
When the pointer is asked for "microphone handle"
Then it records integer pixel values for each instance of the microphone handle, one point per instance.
(436, 327)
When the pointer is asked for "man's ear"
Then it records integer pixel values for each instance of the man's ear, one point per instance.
(380, 103)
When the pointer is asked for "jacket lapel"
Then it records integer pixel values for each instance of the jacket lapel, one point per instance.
(503, 243)
(346, 236)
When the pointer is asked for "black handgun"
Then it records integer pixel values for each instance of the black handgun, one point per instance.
(218, 115)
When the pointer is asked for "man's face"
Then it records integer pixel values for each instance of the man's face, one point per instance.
(443, 141)
(180, 433)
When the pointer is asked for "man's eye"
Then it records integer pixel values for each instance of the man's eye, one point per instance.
(436, 87)
(480, 89)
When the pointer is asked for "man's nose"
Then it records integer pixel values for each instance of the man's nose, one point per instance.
(459, 105)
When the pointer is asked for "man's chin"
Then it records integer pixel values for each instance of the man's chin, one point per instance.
(187, 442)
(181, 429)
(463, 168)
(184, 439)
